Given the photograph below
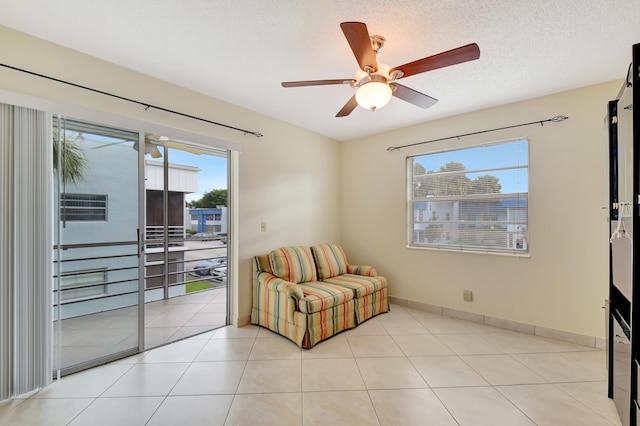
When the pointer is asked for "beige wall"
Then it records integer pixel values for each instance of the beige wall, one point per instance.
(311, 189)
(563, 284)
(288, 178)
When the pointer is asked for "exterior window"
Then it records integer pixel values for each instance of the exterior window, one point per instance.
(194, 217)
(83, 207)
(82, 284)
(473, 199)
(213, 229)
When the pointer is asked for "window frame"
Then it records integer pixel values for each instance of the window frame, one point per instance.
(64, 215)
(521, 234)
(73, 288)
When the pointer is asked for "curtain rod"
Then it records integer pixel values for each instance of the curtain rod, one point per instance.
(556, 119)
(144, 104)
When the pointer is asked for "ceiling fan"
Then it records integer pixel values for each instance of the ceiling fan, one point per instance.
(375, 83)
(151, 143)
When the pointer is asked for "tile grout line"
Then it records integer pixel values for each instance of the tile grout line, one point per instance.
(244, 369)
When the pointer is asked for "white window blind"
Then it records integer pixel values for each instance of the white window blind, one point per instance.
(471, 199)
(25, 250)
(83, 207)
(82, 284)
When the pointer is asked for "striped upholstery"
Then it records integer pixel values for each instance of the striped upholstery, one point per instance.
(288, 300)
(360, 285)
(263, 263)
(371, 305)
(324, 324)
(330, 260)
(293, 264)
(368, 271)
(275, 306)
(319, 296)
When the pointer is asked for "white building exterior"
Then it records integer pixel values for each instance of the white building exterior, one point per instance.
(106, 277)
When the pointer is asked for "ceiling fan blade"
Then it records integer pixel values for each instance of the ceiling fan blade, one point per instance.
(412, 96)
(348, 107)
(181, 147)
(157, 138)
(444, 59)
(316, 82)
(106, 145)
(358, 37)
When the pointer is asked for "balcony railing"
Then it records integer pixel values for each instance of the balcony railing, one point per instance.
(155, 236)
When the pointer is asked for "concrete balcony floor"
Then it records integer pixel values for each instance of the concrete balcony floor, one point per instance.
(101, 334)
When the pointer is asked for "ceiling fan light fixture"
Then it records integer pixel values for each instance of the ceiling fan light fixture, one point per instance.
(375, 82)
(373, 95)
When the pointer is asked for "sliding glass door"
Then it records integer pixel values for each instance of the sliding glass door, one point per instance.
(96, 251)
(185, 240)
(141, 234)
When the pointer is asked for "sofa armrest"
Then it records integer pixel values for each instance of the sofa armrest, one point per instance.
(364, 270)
(272, 283)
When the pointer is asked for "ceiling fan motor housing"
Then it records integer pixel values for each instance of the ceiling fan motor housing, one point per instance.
(382, 74)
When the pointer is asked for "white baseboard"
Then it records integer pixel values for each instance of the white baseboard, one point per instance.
(565, 336)
(241, 321)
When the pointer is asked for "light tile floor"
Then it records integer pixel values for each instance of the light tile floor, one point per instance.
(405, 367)
(104, 333)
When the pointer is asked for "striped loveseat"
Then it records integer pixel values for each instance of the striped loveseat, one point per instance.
(309, 294)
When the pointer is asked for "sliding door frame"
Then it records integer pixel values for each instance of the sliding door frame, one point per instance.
(142, 214)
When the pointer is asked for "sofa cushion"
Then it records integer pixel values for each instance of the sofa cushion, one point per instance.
(330, 259)
(262, 263)
(359, 284)
(319, 296)
(293, 264)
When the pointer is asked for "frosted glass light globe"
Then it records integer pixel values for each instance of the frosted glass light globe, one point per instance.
(373, 95)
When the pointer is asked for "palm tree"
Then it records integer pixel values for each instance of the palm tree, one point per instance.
(73, 163)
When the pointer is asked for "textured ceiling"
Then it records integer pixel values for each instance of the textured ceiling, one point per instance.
(239, 51)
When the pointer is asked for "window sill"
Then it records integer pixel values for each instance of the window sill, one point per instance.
(525, 255)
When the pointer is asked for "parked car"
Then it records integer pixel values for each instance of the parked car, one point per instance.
(219, 274)
(202, 236)
(217, 268)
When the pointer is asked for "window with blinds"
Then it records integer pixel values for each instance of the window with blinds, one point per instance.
(472, 199)
(83, 284)
(83, 207)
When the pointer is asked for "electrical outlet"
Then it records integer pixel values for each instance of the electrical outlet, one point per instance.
(467, 295)
(263, 226)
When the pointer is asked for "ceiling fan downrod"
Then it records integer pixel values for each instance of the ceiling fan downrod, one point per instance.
(377, 43)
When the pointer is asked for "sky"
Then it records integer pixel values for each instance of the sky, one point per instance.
(487, 157)
(212, 175)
